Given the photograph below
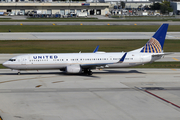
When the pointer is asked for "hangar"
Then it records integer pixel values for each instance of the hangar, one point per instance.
(176, 7)
(54, 7)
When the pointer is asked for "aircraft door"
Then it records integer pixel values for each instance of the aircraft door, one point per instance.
(110, 58)
(23, 61)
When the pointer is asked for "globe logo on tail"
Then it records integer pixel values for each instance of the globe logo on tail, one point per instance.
(152, 46)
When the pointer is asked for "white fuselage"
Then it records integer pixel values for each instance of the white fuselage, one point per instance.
(61, 61)
(84, 62)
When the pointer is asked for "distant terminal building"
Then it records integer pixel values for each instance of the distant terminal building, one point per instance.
(92, 7)
(176, 6)
(129, 3)
(53, 7)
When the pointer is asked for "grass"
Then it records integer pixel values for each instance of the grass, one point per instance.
(2, 67)
(160, 65)
(85, 28)
(60, 46)
(5, 18)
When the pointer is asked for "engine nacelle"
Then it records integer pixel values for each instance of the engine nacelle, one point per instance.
(73, 69)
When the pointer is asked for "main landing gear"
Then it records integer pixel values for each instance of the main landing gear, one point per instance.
(88, 72)
(18, 73)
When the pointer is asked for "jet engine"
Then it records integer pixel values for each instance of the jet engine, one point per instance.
(73, 69)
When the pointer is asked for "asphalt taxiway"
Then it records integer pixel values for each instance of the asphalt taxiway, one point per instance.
(81, 35)
(108, 94)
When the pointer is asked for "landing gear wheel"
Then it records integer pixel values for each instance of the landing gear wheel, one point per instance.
(88, 72)
(19, 73)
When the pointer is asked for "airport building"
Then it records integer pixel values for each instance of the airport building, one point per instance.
(54, 7)
(176, 7)
(130, 3)
(93, 7)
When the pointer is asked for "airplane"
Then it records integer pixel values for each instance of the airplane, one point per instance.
(83, 63)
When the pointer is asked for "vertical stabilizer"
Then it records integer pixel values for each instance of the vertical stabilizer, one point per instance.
(156, 43)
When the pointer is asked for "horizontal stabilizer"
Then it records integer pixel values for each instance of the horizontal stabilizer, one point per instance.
(162, 54)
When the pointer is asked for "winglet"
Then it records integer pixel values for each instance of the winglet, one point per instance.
(123, 57)
(95, 50)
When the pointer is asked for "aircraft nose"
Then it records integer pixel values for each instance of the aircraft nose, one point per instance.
(5, 64)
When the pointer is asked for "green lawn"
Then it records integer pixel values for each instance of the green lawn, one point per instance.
(160, 65)
(85, 28)
(2, 67)
(60, 46)
(5, 18)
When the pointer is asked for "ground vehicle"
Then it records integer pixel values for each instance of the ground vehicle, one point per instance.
(157, 14)
(20, 13)
(3, 13)
(145, 13)
(35, 12)
(27, 13)
(82, 14)
(11, 13)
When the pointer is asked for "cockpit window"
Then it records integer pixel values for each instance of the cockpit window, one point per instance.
(12, 60)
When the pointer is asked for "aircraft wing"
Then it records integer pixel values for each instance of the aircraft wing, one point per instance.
(93, 66)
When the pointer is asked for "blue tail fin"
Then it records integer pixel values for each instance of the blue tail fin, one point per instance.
(156, 43)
